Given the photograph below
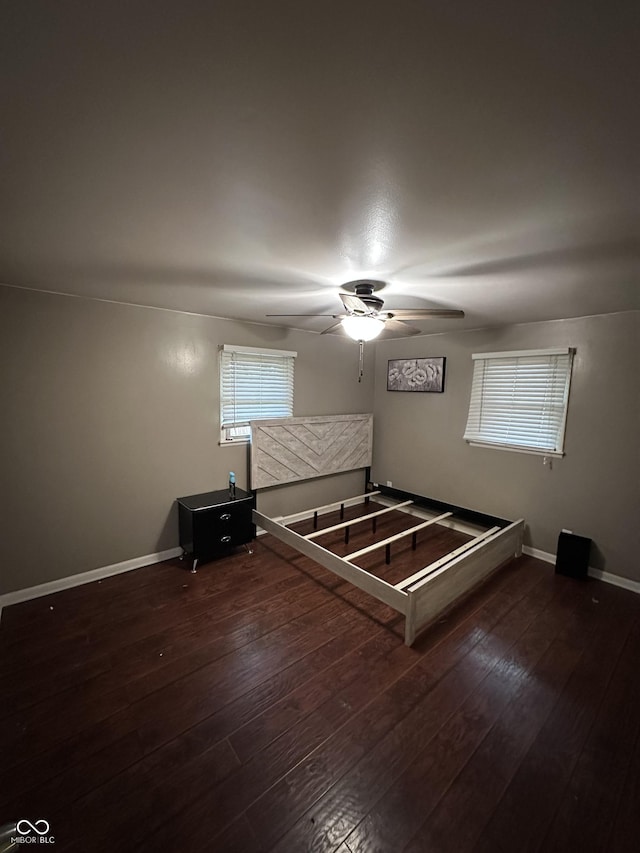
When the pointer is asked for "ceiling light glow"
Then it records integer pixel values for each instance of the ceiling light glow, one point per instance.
(362, 328)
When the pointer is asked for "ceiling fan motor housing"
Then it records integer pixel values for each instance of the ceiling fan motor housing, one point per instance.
(364, 292)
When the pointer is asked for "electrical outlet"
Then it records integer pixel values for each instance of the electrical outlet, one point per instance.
(390, 484)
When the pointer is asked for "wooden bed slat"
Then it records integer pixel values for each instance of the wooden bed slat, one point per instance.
(407, 582)
(375, 586)
(308, 513)
(357, 520)
(395, 538)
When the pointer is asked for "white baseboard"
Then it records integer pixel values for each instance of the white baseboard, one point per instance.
(85, 577)
(597, 574)
(614, 580)
(538, 554)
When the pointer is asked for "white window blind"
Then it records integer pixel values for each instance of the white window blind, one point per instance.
(254, 383)
(519, 400)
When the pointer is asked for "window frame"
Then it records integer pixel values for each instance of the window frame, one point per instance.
(227, 440)
(471, 435)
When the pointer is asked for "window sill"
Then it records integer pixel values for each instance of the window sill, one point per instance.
(234, 442)
(529, 450)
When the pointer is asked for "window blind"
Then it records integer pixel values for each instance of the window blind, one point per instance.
(519, 400)
(254, 383)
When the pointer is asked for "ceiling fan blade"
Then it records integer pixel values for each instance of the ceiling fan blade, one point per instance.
(398, 327)
(424, 313)
(354, 305)
(300, 315)
(333, 328)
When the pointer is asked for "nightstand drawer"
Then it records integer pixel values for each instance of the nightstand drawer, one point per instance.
(227, 526)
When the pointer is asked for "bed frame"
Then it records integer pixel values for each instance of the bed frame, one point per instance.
(426, 594)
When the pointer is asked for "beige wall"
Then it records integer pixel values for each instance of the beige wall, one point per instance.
(110, 412)
(594, 490)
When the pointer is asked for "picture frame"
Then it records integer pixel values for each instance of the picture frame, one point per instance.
(416, 374)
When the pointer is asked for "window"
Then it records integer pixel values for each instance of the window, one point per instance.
(519, 400)
(254, 383)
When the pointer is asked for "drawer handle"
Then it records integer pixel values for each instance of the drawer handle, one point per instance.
(226, 539)
(225, 516)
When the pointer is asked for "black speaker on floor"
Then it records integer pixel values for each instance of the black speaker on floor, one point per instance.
(572, 558)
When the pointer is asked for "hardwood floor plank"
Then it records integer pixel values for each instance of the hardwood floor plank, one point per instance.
(626, 829)
(586, 814)
(24, 615)
(91, 605)
(373, 657)
(57, 758)
(435, 675)
(221, 805)
(193, 643)
(344, 805)
(163, 654)
(186, 701)
(547, 767)
(136, 622)
(227, 638)
(27, 734)
(237, 838)
(63, 789)
(266, 705)
(34, 685)
(478, 787)
(135, 802)
(76, 750)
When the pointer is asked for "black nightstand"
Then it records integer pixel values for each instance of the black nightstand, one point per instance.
(211, 524)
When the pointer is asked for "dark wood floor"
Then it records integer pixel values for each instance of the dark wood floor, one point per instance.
(264, 705)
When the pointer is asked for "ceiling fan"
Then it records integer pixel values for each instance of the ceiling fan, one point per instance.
(364, 319)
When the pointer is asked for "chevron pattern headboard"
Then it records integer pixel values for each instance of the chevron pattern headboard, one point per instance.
(285, 450)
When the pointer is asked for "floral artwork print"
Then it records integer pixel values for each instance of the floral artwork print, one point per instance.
(416, 374)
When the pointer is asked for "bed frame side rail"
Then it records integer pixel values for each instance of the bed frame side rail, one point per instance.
(434, 594)
(480, 519)
(380, 589)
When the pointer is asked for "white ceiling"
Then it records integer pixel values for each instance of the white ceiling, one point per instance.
(244, 157)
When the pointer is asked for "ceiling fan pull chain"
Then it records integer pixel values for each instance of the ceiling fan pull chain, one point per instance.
(361, 362)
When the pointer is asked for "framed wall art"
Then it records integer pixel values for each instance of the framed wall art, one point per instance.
(416, 374)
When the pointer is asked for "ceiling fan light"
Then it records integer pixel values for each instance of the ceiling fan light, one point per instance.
(362, 328)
